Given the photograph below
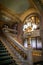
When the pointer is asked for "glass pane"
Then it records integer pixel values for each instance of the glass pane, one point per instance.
(39, 44)
(33, 42)
(25, 44)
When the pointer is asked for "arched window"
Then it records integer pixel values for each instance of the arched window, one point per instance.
(31, 23)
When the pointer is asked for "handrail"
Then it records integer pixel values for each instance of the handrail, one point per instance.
(27, 51)
(16, 42)
(9, 29)
(21, 52)
(18, 50)
(14, 53)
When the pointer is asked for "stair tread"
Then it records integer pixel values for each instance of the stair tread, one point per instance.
(2, 45)
(5, 58)
(4, 54)
(3, 50)
(7, 61)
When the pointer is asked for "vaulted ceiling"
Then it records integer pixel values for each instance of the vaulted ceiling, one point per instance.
(39, 4)
(10, 9)
(20, 6)
(17, 6)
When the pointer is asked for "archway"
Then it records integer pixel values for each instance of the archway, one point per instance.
(31, 29)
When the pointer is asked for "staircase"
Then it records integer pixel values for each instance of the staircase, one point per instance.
(20, 54)
(5, 58)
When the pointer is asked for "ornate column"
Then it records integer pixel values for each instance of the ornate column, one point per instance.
(29, 52)
(41, 32)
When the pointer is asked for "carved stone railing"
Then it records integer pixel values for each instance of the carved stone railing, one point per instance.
(26, 53)
(34, 33)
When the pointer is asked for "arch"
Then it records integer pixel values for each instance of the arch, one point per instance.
(28, 12)
(31, 22)
(32, 14)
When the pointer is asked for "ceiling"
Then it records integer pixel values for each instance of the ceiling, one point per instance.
(20, 6)
(12, 7)
(39, 4)
(17, 6)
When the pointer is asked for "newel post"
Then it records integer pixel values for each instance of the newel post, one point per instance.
(29, 52)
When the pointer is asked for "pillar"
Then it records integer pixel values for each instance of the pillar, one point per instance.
(41, 32)
(20, 32)
(29, 52)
